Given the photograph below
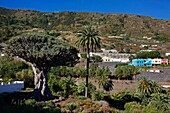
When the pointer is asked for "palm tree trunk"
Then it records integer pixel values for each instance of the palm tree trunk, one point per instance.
(134, 76)
(87, 72)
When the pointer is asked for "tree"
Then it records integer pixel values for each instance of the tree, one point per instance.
(82, 88)
(96, 58)
(89, 40)
(122, 72)
(131, 57)
(102, 75)
(42, 52)
(68, 85)
(146, 87)
(134, 71)
(151, 54)
(160, 101)
(118, 72)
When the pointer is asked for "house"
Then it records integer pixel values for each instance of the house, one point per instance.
(167, 54)
(109, 51)
(156, 61)
(144, 45)
(164, 61)
(106, 59)
(142, 62)
(154, 70)
(112, 56)
(146, 37)
(148, 50)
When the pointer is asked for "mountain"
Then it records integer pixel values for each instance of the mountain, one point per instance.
(13, 22)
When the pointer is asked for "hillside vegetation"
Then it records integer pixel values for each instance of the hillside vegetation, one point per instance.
(15, 21)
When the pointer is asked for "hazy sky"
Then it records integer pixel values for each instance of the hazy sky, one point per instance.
(155, 8)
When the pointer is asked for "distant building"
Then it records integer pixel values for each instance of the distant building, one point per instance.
(146, 50)
(113, 57)
(146, 37)
(144, 45)
(109, 51)
(167, 54)
(106, 59)
(154, 70)
(156, 61)
(164, 61)
(142, 62)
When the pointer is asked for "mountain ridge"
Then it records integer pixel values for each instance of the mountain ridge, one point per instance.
(13, 21)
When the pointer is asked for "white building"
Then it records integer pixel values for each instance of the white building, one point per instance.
(109, 51)
(167, 54)
(12, 87)
(154, 70)
(156, 61)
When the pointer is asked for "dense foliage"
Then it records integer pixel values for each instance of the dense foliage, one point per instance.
(126, 72)
(9, 68)
(151, 54)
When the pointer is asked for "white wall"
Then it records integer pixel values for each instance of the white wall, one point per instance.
(156, 61)
(12, 87)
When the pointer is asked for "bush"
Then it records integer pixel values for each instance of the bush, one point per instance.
(27, 76)
(31, 102)
(49, 109)
(9, 66)
(81, 98)
(54, 85)
(118, 100)
(133, 107)
(71, 106)
(98, 95)
(81, 89)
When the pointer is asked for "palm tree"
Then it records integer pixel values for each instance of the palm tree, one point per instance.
(156, 88)
(148, 87)
(89, 40)
(144, 87)
(102, 75)
(134, 71)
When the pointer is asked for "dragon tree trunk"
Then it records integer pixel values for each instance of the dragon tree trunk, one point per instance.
(41, 90)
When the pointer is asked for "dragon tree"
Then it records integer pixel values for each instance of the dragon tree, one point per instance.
(42, 52)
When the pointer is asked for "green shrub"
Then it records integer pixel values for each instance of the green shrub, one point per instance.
(31, 102)
(27, 76)
(81, 89)
(81, 98)
(118, 100)
(98, 95)
(133, 107)
(54, 85)
(71, 106)
(83, 55)
(8, 68)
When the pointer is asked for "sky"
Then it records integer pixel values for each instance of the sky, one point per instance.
(155, 8)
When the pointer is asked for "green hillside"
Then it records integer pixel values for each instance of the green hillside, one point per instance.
(14, 22)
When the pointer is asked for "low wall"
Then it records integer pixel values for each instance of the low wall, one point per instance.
(15, 86)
